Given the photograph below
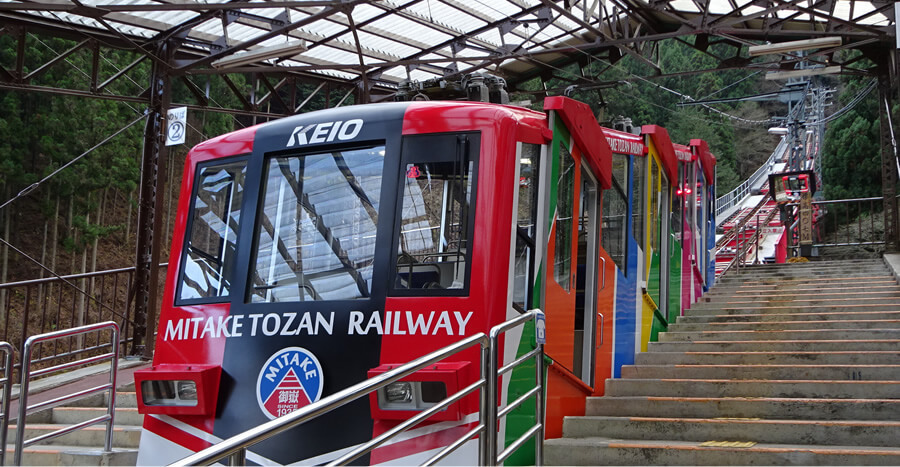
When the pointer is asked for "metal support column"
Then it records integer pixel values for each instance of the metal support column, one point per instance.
(153, 169)
(888, 157)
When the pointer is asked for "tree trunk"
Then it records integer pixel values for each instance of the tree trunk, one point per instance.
(40, 288)
(4, 260)
(72, 231)
(82, 300)
(128, 220)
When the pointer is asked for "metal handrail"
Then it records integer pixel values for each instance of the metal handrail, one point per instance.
(490, 456)
(735, 196)
(740, 255)
(848, 242)
(235, 448)
(27, 374)
(83, 275)
(6, 384)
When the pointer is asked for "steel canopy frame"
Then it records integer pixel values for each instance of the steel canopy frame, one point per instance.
(367, 48)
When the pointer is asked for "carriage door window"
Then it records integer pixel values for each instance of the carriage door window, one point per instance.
(562, 261)
(695, 198)
(586, 279)
(437, 214)
(638, 197)
(526, 218)
(209, 248)
(667, 243)
(615, 213)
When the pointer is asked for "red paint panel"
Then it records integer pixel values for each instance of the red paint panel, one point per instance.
(501, 128)
(624, 143)
(582, 124)
(663, 144)
(707, 159)
(184, 439)
(683, 153)
(565, 398)
(207, 351)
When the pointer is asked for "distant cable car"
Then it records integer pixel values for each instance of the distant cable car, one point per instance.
(795, 185)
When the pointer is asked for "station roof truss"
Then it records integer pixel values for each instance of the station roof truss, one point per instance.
(371, 47)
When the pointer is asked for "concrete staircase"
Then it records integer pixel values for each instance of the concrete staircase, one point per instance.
(85, 446)
(780, 365)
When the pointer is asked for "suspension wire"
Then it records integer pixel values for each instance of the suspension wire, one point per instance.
(853, 103)
(611, 65)
(66, 281)
(34, 185)
(732, 84)
(654, 104)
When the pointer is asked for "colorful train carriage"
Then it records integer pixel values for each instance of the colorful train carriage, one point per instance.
(318, 250)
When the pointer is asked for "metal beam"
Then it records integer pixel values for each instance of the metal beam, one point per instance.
(150, 208)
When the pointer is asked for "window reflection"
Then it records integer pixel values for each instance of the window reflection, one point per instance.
(214, 219)
(315, 236)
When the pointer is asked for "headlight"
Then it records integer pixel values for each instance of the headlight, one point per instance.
(169, 392)
(398, 392)
(411, 395)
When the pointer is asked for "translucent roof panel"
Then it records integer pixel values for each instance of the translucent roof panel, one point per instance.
(430, 37)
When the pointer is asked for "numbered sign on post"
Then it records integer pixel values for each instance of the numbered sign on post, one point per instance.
(176, 126)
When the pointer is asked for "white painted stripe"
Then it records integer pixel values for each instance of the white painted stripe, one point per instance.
(209, 437)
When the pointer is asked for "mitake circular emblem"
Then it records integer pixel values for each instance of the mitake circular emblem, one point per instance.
(290, 379)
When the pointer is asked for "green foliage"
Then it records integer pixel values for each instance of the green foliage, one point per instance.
(851, 167)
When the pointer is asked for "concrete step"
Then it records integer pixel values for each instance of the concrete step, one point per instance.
(123, 399)
(819, 432)
(814, 265)
(788, 282)
(71, 415)
(794, 295)
(757, 309)
(752, 388)
(744, 407)
(778, 276)
(801, 334)
(72, 455)
(793, 317)
(822, 270)
(775, 358)
(785, 325)
(607, 451)
(795, 302)
(721, 292)
(123, 436)
(791, 345)
(769, 371)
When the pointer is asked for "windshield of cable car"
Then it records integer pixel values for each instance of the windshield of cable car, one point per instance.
(316, 230)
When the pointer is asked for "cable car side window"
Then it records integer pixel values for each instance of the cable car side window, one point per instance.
(526, 219)
(211, 238)
(437, 214)
(316, 227)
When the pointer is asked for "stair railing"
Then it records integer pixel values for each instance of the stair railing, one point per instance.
(843, 234)
(235, 448)
(28, 374)
(731, 199)
(6, 385)
(744, 243)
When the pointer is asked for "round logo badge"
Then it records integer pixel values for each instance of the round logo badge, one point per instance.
(290, 379)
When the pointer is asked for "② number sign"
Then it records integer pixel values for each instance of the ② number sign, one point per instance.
(176, 124)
